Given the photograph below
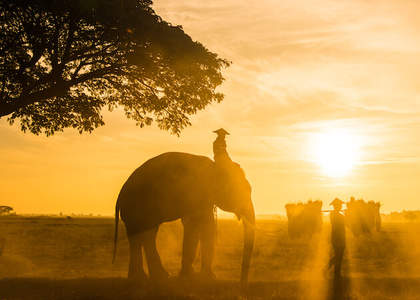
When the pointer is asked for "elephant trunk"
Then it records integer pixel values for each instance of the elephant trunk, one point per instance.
(249, 236)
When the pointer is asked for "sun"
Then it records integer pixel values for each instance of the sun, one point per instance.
(336, 151)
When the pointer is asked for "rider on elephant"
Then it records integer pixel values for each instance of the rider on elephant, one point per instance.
(219, 147)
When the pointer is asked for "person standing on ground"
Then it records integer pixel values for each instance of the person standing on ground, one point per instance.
(338, 236)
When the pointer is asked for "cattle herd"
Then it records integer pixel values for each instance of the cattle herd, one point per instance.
(305, 219)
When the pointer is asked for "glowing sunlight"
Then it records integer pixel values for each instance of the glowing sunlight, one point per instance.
(336, 151)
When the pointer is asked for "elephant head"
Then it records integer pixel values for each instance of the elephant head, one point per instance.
(234, 195)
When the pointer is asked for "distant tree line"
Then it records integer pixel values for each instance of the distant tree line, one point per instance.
(403, 216)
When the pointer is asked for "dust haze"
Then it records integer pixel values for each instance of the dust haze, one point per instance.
(189, 119)
(70, 258)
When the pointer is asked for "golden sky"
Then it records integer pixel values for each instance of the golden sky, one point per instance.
(300, 68)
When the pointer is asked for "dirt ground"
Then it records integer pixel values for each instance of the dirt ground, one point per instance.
(60, 258)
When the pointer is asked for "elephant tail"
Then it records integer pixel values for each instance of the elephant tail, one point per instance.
(117, 220)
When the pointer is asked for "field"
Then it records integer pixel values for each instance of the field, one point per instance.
(60, 258)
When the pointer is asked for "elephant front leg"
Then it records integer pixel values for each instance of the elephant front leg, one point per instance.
(207, 245)
(189, 247)
(135, 268)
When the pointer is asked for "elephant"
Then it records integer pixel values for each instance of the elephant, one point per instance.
(189, 187)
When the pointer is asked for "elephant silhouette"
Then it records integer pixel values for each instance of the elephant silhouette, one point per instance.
(182, 186)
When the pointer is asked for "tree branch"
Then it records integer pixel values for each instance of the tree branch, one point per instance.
(13, 105)
(60, 89)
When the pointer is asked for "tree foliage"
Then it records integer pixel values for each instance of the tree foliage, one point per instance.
(63, 61)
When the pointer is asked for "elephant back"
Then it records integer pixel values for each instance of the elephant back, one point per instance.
(167, 187)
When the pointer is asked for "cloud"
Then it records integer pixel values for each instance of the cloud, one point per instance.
(362, 51)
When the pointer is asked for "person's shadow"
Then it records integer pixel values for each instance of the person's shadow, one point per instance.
(338, 288)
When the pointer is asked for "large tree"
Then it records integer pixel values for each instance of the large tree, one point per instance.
(63, 61)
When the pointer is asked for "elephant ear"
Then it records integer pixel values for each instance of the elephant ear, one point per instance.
(237, 177)
(232, 186)
(228, 173)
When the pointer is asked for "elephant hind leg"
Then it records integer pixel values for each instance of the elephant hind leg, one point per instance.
(190, 243)
(135, 269)
(154, 263)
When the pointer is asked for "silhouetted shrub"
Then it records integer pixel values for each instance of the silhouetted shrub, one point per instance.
(304, 219)
(6, 210)
(363, 217)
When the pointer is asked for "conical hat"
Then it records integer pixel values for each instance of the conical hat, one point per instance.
(221, 131)
(336, 201)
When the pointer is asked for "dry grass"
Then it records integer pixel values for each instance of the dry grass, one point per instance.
(57, 258)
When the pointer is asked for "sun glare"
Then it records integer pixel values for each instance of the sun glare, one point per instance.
(336, 151)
